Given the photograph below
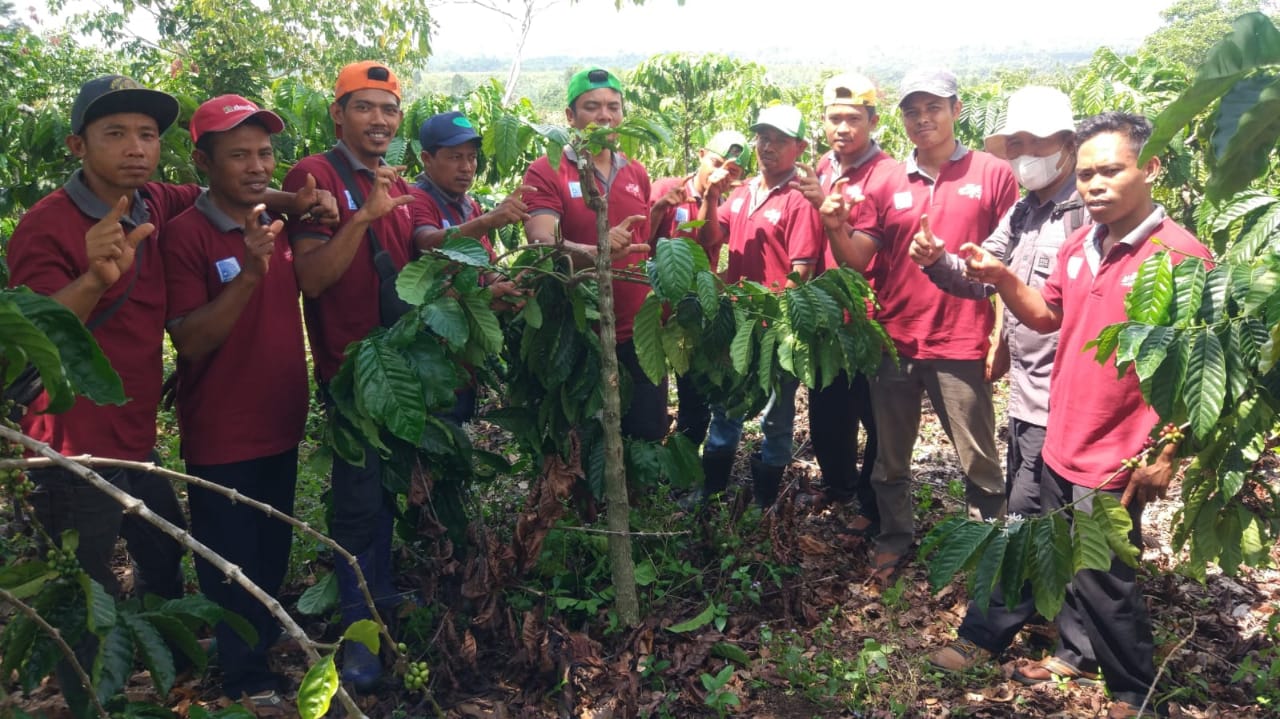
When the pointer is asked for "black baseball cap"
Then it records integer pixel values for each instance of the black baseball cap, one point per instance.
(448, 129)
(111, 94)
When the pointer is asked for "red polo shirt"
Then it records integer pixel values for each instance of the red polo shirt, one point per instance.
(46, 253)
(1096, 420)
(248, 398)
(871, 170)
(769, 230)
(434, 217)
(348, 309)
(964, 203)
(676, 215)
(559, 192)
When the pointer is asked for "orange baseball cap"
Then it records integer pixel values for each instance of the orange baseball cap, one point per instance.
(366, 75)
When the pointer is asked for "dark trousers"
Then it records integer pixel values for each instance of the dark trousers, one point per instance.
(834, 415)
(995, 629)
(1110, 603)
(693, 413)
(258, 544)
(64, 501)
(645, 416)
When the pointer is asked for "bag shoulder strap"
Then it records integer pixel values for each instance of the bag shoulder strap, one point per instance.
(348, 178)
(106, 314)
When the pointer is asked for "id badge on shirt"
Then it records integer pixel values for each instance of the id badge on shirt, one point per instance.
(575, 190)
(902, 200)
(228, 268)
(682, 214)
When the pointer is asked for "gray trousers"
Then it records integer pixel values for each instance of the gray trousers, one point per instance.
(962, 399)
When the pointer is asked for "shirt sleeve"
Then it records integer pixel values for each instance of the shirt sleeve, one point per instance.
(39, 259)
(805, 237)
(545, 197)
(171, 200)
(1006, 190)
(184, 266)
(425, 212)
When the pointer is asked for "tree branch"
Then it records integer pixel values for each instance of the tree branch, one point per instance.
(136, 507)
(30, 613)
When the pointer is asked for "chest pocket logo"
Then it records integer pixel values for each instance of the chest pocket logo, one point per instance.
(972, 191)
(1044, 264)
(773, 216)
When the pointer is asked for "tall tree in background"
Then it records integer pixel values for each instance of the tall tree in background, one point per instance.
(1191, 27)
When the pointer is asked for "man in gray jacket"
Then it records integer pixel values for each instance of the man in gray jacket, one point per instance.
(1038, 141)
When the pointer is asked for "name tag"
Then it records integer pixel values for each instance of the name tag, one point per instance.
(682, 214)
(351, 201)
(575, 189)
(1042, 262)
(445, 224)
(227, 268)
(735, 206)
(902, 200)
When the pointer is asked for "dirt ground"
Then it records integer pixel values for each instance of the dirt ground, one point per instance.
(824, 619)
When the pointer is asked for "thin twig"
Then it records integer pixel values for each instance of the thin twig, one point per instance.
(231, 494)
(631, 533)
(136, 507)
(67, 651)
(1164, 665)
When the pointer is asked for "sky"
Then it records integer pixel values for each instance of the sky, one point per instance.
(844, 29)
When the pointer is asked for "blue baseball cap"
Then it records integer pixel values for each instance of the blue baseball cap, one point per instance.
(448, 129)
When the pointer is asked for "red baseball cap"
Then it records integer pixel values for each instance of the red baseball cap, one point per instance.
(227, 112)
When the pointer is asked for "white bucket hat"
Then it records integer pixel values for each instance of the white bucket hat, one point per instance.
(1040, 111)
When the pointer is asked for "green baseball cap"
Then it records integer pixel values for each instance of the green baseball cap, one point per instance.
(592, 79)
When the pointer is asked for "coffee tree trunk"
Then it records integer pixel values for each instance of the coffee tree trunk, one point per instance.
(615, 476)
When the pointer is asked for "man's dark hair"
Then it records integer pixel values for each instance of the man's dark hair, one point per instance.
(1136, 128)
(205, 143)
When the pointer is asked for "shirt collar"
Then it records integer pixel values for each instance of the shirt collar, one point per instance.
(617, 159)
(757, 182)
(1135, 237)
(93, 206)
(426, 184)
(356, 163)
(872, 150)
(956, 154)
(221, 221)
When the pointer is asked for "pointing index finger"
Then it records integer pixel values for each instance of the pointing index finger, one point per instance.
(924, 226)
(805, 170)
(631, 220)
(117, 211)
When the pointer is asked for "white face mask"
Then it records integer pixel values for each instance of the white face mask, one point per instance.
(1036, 173)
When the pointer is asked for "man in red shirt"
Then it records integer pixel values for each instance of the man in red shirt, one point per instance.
(942, 341)
(773, 231)
(336, 273)
(855, 162)
(555, 197)
(1097, 421)
(233, 304)
(697, 198)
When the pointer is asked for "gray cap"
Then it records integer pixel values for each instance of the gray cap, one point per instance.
(932, 80)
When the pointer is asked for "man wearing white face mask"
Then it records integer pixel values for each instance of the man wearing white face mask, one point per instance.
(1038, 141)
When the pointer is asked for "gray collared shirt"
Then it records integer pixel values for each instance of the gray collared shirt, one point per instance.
(93, 206)
(838, 170)
(1033, 257)
(356, 163)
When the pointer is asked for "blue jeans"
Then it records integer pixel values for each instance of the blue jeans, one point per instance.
(776, 423)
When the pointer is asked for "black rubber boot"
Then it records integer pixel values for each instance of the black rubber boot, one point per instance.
(360, 666)
(715, 470)
(765, 480)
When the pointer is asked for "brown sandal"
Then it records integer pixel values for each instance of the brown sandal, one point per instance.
(886, 566)
(960, 656)
(1051, 669)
